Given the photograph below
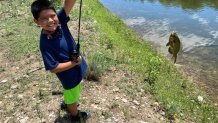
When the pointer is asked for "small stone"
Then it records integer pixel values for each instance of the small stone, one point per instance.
(142, 121)
(114, 119)
(162, 118)
(148, 115)
(94, 106)
(156, 104)
(43, 120)
(7, 119)
(14, 87)
(124, 100)
(108, 120)
(52, 115)
(3, 81)
(200, 99)
(133, 107)
(162, 113)
(103, 100)
(24, 120)
(116, 98)
(26, 76)
(136, 102)
(116, 89)
(20, 96)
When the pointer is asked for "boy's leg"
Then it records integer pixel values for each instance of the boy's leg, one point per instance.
(71, 98)
(72, 108)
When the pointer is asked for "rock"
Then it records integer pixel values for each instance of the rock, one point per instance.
(103, 100)
(133, 107)
(7, 119)
(136, 102)
(200, 99)
(26, 76)
(162, 118)
(95, 106)
(24, 120)
(10, 96)
(116, 89)
(43, 120)
(14, 86)
(155, 104)
(142, 121)
(148, 115)
(124, 100)
(117, 98)
(112, 120)
(3, 81)
(162, 113)
(20, 96)
(108, 120)
(52, 116)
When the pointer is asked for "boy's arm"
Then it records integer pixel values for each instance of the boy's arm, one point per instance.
(63, 66)
(68, 5)
(67, 65)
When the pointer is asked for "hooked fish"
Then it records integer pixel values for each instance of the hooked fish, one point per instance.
(174, 45)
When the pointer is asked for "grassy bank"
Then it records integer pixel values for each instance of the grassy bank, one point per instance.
(176, 94)
(109, 42)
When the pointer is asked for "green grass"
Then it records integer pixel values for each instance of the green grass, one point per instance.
(175, 93)
(19, 36)
(117, 46)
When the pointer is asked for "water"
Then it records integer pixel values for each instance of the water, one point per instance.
(196, 23)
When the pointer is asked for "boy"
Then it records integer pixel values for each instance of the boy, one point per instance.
(56, 46)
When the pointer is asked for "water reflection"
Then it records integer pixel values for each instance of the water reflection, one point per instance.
(185, 4)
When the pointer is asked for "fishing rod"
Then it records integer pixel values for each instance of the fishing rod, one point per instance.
(76, 52)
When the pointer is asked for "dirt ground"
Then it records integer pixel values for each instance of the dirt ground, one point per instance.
(26, 96)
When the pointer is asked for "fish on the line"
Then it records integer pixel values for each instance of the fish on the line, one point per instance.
(174, 45)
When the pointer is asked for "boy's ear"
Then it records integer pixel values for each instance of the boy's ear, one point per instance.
(35, 21)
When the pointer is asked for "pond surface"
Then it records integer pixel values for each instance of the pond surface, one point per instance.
(196, 24)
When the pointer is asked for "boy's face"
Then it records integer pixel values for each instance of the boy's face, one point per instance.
(48, 20)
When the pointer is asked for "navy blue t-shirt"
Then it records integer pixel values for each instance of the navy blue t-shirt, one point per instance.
(57, 49)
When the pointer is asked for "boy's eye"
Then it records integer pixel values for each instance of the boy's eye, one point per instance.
(53, 16)
(47, 18)
(43, 19)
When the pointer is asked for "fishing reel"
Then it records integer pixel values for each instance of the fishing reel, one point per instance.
(75, 56)
(76, 53)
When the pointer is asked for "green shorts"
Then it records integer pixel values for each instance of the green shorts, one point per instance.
(72, 95)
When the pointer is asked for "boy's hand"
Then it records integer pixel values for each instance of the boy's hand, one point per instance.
(78, 60)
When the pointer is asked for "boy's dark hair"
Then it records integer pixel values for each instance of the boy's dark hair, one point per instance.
(39, 5)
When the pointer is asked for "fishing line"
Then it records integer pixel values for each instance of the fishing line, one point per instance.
(80, 14)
